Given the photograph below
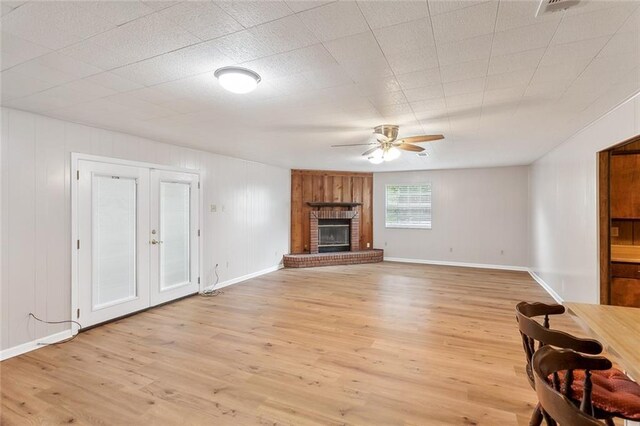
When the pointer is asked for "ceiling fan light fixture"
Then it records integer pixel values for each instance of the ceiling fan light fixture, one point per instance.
(376, 156)
(387, 146)
(392, 154)
(237, 79)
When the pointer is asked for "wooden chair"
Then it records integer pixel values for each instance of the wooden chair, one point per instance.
(556, 404)
(534, 334)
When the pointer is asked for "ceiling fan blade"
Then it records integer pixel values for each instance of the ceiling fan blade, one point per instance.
(409, 147)
(370, 151)
(423, 138)
(381, 138)
(354, 144)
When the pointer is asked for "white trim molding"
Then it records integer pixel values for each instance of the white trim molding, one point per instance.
(460, 264)
(244, 277)
(546, 286)
(34, 344)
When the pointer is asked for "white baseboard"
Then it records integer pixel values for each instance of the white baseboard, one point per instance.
(461, 264)
(539, 280)
(244, 277)
(34, 344)
(546, 286)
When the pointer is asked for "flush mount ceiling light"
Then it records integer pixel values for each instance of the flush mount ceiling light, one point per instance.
(237, 80)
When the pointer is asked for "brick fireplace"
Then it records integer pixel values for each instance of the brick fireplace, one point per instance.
(320, 220)
(334, 230)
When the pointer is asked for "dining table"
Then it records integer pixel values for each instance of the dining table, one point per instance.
(616, 327)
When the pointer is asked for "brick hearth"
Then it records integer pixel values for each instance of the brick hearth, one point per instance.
(337, 258)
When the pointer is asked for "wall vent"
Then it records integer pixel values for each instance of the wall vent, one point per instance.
(550, 6)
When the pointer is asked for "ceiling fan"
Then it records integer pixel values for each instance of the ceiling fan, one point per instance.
(387, 145)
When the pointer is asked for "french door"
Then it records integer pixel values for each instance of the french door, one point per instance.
(137, 239)
(174, 235)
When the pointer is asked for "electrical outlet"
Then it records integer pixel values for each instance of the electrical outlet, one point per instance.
(214, 208)
(450, 249)
(368, 245)
(501, 251)
(227, 264)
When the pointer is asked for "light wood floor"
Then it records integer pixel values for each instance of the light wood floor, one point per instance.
(380, 344)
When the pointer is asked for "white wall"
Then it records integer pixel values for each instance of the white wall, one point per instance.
(564, 209)
(251, 234)
(477, 215)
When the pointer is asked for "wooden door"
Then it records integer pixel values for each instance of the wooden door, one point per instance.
(625, 186)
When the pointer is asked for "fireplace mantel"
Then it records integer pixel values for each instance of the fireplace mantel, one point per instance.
(318, 204)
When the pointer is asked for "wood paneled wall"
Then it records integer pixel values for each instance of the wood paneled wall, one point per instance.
(328, 186)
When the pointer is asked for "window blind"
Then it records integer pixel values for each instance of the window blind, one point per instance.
(408, 206)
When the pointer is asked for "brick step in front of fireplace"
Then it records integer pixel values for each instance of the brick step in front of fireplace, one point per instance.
(306, 260)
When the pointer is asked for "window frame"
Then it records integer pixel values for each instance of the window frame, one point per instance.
(408, 226)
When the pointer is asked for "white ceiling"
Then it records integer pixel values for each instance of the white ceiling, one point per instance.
(503, 86)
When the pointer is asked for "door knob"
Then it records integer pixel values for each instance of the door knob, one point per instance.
(154, 241)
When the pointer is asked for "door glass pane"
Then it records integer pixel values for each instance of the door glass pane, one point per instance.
(174, 232)
(114, 240)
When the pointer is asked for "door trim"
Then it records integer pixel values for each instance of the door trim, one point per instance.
(604, 225)
(75, 158)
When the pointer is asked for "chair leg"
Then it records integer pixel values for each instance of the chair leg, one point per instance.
(536, 416)
(548, 419)
(609, 422)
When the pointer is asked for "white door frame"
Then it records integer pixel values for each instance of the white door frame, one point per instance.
(75, 157)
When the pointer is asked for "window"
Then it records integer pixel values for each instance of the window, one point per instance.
(408, 206)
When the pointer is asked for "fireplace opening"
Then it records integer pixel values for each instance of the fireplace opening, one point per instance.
(334, 235)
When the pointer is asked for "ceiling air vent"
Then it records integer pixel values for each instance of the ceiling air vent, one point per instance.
(423, 154)
(550, 6)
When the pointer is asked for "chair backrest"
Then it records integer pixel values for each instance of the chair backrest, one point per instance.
(533, 334)
(555, 403)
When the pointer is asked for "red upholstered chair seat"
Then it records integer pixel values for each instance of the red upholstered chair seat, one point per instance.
(613, 392)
